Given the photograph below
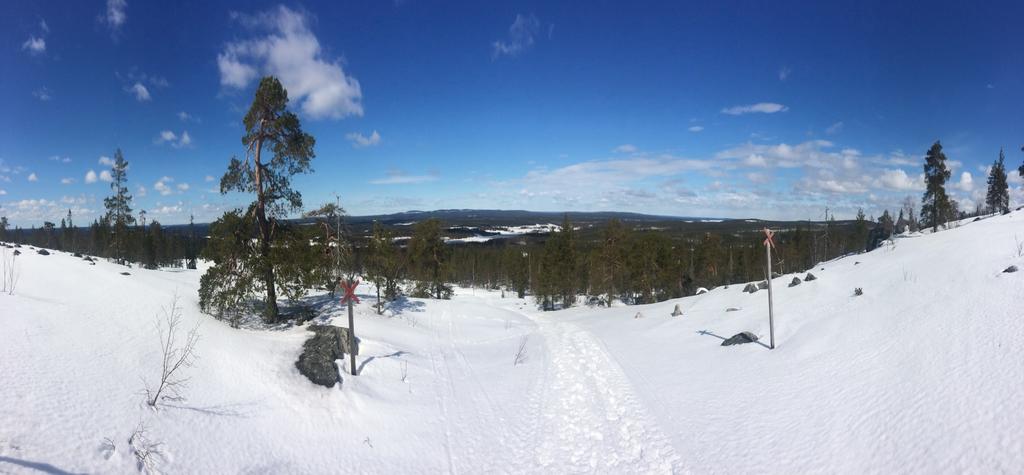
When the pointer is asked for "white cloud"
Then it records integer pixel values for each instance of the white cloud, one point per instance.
(291, 52)
(105, 176)
(34, 45)
(140, 192)
(43, 94)
(162, 188)
(115, 15)
(755, 160)
(625, 148)
(898, 180)
(139, 91)
(784, 73)
(758, 178)
(966, 182)
(696, 128)
(90, 177)
(834, 128)
(175, 140)
(58, 158)
(32, 177)
(208, 178)
(400, 178)
(359, 140)
(105, 160)
(3, 192)
(186, 117)
(760, 107)
(67, 181)
(521, 36)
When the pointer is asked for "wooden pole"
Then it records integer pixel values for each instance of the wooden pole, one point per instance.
(771, 316)
(351, 339)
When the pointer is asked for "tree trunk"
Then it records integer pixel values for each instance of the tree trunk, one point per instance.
(270, 311)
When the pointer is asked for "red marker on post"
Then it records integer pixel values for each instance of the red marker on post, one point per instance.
(349, 297)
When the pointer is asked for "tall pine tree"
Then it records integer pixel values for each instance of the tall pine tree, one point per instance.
(936, 207)
(269, 127)
(119, 210)
(997, 200)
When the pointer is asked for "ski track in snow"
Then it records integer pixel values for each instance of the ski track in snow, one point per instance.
(579, 415)
(592, 421)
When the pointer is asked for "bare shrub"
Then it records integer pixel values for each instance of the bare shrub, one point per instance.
(1020, 246)
(520, 356)
(405, 370)
(146, 451)
(8, 271)
(175, 356)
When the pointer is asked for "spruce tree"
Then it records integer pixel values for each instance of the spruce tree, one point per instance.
(936, 207)
(997, 200)
(269, 127)
(119, 211)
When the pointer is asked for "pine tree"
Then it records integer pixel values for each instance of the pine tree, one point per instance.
(612, 260)
(383, 265)
(68, 234)
(3, 227)
(559, 277)
(936, 207)
(271, 128)
(997, 200)
(338, 257)
(430, 258)
(516, 263)
(119, 211)
(888, 226)
(860, 231)
(190, 245)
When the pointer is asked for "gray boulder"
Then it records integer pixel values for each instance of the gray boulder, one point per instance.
(763, 285)
(1011, 269)
(320, 353)
(740, 338)
(750, 288)
(677, 312)
(810, 277)
(795, 282)
(43, 252)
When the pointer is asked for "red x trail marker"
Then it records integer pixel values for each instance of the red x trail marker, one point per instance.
(769, 235)
(350, 291)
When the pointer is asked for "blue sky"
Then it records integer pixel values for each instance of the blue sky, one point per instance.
(725, 109)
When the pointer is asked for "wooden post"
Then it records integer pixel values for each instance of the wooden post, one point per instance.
(768, 244)
(350, 297)
(351, 339)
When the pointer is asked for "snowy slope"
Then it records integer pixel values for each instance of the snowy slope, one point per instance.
(922, 374)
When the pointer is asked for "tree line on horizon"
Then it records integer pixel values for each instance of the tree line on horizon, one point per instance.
(258, 254)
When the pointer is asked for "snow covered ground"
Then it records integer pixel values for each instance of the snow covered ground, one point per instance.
(922, 374)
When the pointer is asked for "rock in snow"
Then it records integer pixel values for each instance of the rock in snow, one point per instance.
(701, 290)
(809, 277)
(795, 282)
(319, 353)
(677, 312)
(740, 338)
(1011, 269)
(763, 285)
(750, 288)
